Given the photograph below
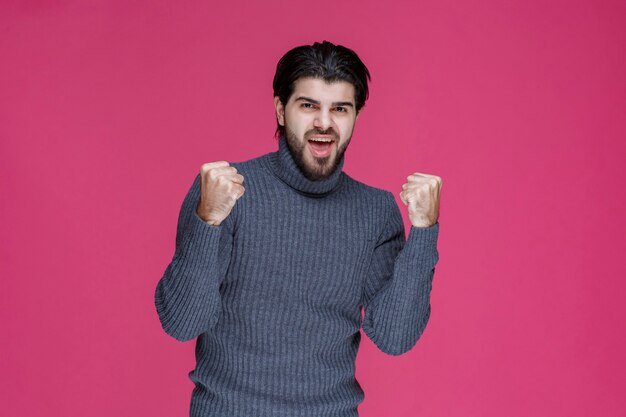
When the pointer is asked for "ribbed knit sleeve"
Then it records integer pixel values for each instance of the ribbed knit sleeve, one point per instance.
(187, 297)
(397, 290)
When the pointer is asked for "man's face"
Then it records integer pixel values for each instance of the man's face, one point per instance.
(319, 119)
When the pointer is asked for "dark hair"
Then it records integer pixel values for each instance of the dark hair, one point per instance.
(326, 61)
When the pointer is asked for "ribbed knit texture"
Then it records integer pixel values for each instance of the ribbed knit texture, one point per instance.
(274, 293)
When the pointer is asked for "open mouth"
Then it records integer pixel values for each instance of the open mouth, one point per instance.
(321, 146)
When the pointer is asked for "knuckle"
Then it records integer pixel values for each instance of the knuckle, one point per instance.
(214, 164)
(237, 192)
(205, 168)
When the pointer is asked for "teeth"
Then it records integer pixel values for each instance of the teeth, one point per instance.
(321, 140)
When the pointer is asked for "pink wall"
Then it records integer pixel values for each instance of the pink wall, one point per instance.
(107, 110)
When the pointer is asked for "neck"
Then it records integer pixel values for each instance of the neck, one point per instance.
(284, 167)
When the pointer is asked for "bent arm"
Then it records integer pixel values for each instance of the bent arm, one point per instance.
(187, 297)
(396, 296)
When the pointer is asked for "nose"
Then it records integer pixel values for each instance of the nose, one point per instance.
(322, 120)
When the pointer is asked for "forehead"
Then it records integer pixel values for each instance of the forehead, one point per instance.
(320, 90)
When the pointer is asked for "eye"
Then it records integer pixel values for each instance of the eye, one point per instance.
(307, 105)
(341, 109)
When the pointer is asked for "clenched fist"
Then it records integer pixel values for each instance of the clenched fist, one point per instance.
(421, 194)
(220, 187)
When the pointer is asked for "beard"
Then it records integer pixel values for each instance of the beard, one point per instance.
(321, 167)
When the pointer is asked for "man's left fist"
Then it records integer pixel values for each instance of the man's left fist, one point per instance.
(421, 194)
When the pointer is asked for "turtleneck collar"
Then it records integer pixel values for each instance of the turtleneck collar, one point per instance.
(284, 167)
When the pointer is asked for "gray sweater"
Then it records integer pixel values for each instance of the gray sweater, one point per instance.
(274, 294)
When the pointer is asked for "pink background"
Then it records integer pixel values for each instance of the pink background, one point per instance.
(108, 109)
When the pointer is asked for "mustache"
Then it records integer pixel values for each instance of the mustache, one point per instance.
(316, 131)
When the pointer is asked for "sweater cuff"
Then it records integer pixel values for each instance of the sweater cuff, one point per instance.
(200, 239)
(421, 246)
(424, 236)
(198, 223)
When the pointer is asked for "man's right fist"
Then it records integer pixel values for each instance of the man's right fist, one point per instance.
(220, 187)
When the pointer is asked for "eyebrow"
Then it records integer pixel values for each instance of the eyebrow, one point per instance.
(336, 103)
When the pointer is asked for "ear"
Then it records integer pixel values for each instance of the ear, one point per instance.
(280, 111)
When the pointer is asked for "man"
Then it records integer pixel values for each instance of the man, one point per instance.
(276, 256)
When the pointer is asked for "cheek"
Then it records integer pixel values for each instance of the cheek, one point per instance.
(345, 129)
(298, 123)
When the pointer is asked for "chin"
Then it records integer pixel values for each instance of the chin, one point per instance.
(315, 172)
